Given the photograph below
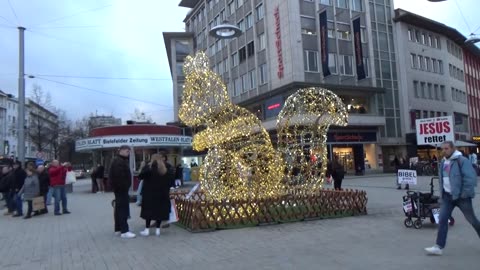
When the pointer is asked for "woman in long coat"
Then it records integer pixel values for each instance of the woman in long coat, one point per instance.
(155, 193)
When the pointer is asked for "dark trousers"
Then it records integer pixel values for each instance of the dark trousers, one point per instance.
(337, 184)
(121, 211)
(29, 207)
(446, 209)
(9, 199)
(148, 221)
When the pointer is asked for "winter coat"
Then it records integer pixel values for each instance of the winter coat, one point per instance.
(6, 182)
(463, 178)
(336, 170)
(179, 172)
(155, 193)
(20, 176)
(31, 187)
(44, 181)
(120, 176)
(99, 172)
(57, 175)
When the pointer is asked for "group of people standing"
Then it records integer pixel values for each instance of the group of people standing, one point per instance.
(18, 185)
(157, 175)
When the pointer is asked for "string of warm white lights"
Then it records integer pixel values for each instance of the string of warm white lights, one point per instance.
(241, 162)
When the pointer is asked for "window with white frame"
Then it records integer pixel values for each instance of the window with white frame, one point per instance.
(413, 60)
(345, 63)
(366, 66)
(231, 8)
(234, 59)
(440, 66)
(260, 12)
(435, 92)
(428, 64)
(442, 93)
(308, 25)
(416, 91)
(363, 35)
(332, 63)
(343, 34)
(241, 25)
(239, 3)
(249, 21)
(342, 3)
(261, 41)
(244, 83)
(262, 72)
(326, 2)
(410, 34)
(357, 5)
(237, 87)
(252, 79)
(310, 60)
(422, 90)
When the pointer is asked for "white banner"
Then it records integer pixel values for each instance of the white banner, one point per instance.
(132, 140)
(407, 177)
(434, 131)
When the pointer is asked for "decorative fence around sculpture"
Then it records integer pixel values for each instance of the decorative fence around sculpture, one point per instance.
(197, 214)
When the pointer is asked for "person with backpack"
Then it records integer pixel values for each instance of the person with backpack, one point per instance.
(457, 181)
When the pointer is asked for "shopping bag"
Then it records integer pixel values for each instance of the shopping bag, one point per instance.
(173, 212)
(70, 179)
(38, 203)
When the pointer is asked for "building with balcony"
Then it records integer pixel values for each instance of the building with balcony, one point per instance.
(432, 77)
(287, 45)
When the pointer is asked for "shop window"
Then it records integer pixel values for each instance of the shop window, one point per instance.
(357, 105)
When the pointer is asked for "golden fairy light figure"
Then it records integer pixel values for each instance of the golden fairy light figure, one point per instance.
(241, 162)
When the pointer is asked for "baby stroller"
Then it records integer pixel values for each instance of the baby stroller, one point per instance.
(419, 206)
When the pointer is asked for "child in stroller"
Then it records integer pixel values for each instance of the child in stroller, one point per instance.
(419, 206)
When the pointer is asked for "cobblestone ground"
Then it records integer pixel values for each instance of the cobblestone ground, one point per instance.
(85, 239)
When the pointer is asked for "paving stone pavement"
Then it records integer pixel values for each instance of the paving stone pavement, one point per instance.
(85, 239)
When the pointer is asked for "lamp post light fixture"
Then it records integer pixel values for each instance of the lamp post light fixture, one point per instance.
(436, 0)
(225, 31)
(472, 39)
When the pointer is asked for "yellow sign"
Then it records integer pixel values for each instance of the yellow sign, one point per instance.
(476, 138)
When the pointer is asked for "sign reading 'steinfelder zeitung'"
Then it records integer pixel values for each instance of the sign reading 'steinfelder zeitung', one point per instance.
(434, 131)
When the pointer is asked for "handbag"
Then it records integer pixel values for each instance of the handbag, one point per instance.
(70, 179)
(173, 212)
(38, 203)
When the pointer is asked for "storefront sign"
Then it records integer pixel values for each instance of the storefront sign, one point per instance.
(434, 131)
(278, 43)
(407, 177)
(476, 138)
(274, 106)
(132, 140)
(352, 137)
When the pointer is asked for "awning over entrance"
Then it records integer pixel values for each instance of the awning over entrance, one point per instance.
(464, 144)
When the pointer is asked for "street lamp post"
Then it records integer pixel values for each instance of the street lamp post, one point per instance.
(21, 97)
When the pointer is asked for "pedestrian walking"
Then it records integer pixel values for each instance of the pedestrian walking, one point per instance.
(120, 176)
(30, 188)
(178, 176)
(156, 193)
(8, 179)
(93, 176)
(458, 181)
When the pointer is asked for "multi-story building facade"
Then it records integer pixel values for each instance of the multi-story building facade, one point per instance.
(472, 83)
(432, 76)
(41, 124)
(287, 45)
(4, 147)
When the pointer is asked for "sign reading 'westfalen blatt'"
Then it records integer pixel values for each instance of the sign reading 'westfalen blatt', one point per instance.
(434, 131)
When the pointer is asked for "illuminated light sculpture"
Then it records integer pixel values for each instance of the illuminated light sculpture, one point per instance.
(241, 162)
(302, 128)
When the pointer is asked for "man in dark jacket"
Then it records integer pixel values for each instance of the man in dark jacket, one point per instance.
(44, 180)
(20, 176)
(120, 178)
(8, 177)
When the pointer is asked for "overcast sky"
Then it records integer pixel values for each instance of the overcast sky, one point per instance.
(123, 38)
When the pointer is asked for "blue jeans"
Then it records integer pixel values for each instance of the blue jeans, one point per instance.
(60, 194)
(139, 193)
(19, 204)
(49, 195)
(446, 209)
